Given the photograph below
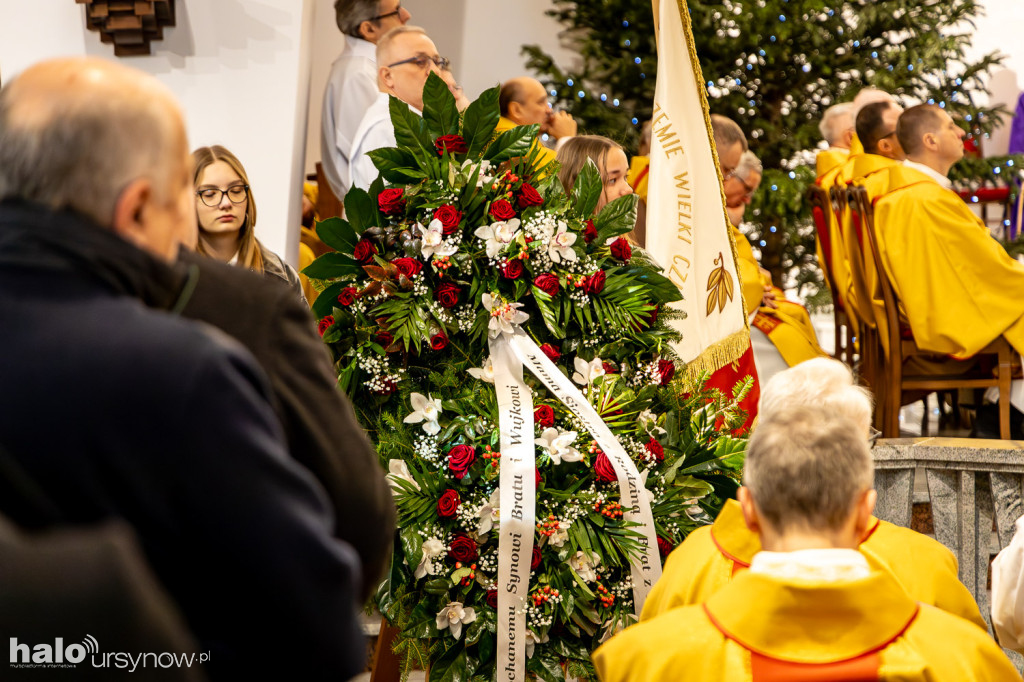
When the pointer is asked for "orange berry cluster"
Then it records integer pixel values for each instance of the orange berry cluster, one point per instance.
(606, 597)
(594, 449)
(442, 263)
(544, 595)
(609, 510)
(578, 281)
(549, 526)
(472, 573)
(494, 457)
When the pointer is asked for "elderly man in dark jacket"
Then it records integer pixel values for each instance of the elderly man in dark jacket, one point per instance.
(119, 409)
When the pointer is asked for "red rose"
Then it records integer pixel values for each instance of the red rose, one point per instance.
(667, 370)
(553, 353)
(654, 447)
(448, 504)
(449, 216)
(390, 201)
(410, 267)
(492, 598)
(653, 317)
(590, 233)
(447, 294)
(384, 338)
(463, 548)
(603, 468)
(453, 144)
(544, 416)
(595, 283)
(535, 561)
(364, 251)
(460, 458)
(347, 295)
(609, 368)
(528, 196)
(502, 210)
(537, 480)
(547, 283)
(513, 269)
(621, 249)
(438, 341)
(664, 547)
(325, 324)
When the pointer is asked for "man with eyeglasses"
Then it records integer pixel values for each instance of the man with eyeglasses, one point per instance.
(352, 85)
(407, 56)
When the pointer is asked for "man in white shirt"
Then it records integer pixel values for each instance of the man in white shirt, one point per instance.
(352, 85)
(407, 56)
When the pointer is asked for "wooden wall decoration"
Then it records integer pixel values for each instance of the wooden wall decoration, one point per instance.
(129, 24)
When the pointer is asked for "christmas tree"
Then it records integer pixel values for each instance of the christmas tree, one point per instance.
(774, 66)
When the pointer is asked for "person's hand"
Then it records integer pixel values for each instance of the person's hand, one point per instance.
(559, 124)
(769, 299)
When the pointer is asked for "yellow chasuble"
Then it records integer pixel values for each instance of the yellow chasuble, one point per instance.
(710, 556)
(546, 155)
(869, 171)
(639, 170)
(856, 147)
(761, 628)
(827, 159)
(789, 326)
(836, 261)
(957, 285)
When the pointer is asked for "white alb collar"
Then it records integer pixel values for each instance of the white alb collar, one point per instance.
(930, 172)
(820, 565)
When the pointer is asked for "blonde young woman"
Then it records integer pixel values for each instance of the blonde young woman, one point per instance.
(226, 214)
(610, 159)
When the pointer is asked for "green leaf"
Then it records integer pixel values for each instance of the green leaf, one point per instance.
(617, 217)
(412, 545)
(662, 287)
(331, 265)
(337, 234)
(480, 121)
(396, 165)
(511, 143)
(327, 299)
(451, 665)
(422, 623)
(587, 191)
(439, 110)
(359, 209)
(409, 133)
(438, 587)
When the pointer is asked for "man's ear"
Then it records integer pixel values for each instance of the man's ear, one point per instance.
(931, 141)
(515, 111)
(368, 32)
(384, 80)
(131, 211)
(749, 510)
(865, 508)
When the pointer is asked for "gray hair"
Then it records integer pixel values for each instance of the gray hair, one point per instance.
(727, 132)
(832, 119)
(819, 382)
(749, 163)
(81, 152)
(350, 14)
(384, 44)
(806, 468)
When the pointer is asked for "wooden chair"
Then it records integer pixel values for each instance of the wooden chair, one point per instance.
(868, 343)
(895, 383)
(327, 205)
(821, 204)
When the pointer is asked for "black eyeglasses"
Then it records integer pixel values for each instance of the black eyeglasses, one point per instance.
(212, 196)
(393, 13)
(421, 61)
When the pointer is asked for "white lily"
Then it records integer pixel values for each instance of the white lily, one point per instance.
(586, 372)
(561, 534)
(504, 315)
(498, 235)
(558, 445)
(489, 514)
(532, 640)
(453, 616)
(432, 548)
(426, 410)
(584, 566)
(399, 470)
(485, 373)
(560, 246)
(433, 240)
(483, 178)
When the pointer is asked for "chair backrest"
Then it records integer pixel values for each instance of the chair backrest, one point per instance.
(860, 204)
(821, 204)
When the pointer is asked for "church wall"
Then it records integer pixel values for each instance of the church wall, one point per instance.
(239, 68)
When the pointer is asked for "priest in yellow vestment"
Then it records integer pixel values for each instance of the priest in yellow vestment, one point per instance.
(810, 607)
(837, 130)
(957, 286)
(524, 101)
(710, 556)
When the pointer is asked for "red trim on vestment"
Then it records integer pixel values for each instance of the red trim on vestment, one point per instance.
(871, 531)
(737, 563)
(641, 176)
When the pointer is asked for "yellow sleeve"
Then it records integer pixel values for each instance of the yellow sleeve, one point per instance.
(749, 271)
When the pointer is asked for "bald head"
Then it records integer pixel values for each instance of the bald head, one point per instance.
(730, 141)
(79, 134)
(524, 100)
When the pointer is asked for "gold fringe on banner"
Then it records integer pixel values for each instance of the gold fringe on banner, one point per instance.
(719, 354)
